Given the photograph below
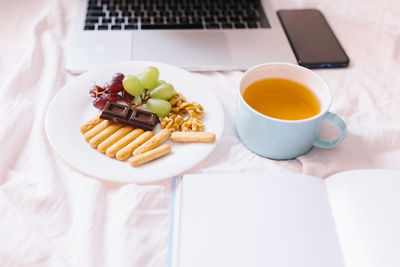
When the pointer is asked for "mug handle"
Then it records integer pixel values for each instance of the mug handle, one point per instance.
(340, 125)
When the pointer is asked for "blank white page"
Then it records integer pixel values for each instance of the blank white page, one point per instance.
(232, 220)
(366, 208)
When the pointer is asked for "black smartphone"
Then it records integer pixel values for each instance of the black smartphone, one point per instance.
(312, 39)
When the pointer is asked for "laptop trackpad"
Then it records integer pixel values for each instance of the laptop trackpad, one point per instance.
(181, 47)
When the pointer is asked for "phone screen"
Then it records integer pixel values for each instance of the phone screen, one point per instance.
(312, 39)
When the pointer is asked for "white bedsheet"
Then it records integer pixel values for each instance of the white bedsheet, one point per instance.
(52, 215)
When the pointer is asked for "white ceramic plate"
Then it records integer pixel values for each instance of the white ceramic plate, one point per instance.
(72, 106)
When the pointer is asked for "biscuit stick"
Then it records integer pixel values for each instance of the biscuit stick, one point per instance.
(102, 147)
(150, 155)
(154, 142)
(103, 135)
(120, 144)
(124, 153)
(204, 137)
(90, 124)
(97, 129)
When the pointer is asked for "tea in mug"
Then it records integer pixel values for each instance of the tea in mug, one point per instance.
(282, 99)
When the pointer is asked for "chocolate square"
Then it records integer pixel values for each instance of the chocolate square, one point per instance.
(143, 119)
(115, 111)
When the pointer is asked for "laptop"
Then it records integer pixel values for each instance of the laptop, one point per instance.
(199, 35)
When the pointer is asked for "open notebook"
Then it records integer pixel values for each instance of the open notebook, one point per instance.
(282, 219)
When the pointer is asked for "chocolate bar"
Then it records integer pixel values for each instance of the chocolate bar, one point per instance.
(137, 118)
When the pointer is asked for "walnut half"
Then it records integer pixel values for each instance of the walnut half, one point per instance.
(184, 116)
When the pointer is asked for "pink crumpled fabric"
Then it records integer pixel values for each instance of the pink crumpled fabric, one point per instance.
(53, 215)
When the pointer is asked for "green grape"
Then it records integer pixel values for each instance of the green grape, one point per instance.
(159, 82)
(164, 91)
(133, 85)
(140, 76)
(137, 100)
(158, 106)
(149, 77)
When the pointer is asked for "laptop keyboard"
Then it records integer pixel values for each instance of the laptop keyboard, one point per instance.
(174, 14)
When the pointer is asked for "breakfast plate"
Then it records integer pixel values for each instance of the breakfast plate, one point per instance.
(72, 106)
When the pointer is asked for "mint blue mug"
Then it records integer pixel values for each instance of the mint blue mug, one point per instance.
(285, 139)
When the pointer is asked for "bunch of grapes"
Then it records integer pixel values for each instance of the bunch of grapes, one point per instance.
(144, 90)
(112, 91)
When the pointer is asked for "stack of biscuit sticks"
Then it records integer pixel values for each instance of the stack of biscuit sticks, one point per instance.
(121, 141)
